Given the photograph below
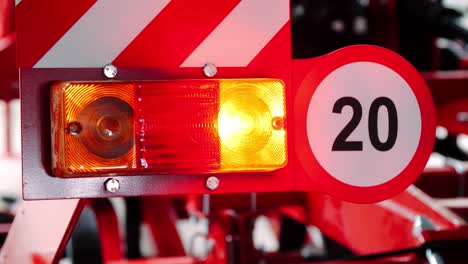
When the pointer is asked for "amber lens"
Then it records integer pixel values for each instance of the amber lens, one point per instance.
(107, 127)
(93, 128)
(251, 124)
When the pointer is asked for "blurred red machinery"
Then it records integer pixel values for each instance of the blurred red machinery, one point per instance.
(9, 72)
(411, 227)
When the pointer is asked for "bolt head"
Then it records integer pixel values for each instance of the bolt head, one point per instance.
(421, 223)
(462, 117)
(433, 257)
(277, 123)
(212, 183)
(210, 70)
(74, 128)
(110, 71)
(112, 185)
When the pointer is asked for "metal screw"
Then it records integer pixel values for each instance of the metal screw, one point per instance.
(212, 183)
(441, 132)
(462, 117)
(420, 224)
(277, 123)
(433, 257)
(110, 71)
(112, 185)
(338, 25)
(210, 70)
(74, 128)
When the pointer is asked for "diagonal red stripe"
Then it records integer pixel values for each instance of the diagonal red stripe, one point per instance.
(40, 24)
(275, 58)
(173, 35)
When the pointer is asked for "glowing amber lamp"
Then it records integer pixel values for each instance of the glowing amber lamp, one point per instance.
(182, 126)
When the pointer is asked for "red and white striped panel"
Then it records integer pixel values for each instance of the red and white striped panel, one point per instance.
(152, 33)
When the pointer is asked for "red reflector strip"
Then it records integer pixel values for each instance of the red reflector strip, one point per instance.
(177, 126)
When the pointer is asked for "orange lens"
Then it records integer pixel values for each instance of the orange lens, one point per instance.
(251, 124)
(82, 115)
(107, 127)
(183, 126)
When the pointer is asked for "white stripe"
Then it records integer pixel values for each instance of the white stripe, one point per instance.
(102, 33)
(242, 34)
(17, 2)
(401, 210)
(15, 127)
(3, 128)
(398, 209)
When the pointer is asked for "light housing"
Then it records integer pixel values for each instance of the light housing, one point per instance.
(166, 127)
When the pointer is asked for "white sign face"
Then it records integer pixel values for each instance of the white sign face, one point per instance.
(364, 124)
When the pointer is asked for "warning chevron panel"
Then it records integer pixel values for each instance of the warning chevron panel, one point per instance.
(149, 33)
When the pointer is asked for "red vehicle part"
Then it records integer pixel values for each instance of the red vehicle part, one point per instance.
(160, 216)
(271, 59)
(361, 227)
(168, 260)
(6, 17)
(9, 72)
(450, 96)
(358, 227)
(109, 232)
(255, 51)
(49, 222)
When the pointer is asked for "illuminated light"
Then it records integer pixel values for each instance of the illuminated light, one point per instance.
(177, 128)
(180, 126)
(249, 124)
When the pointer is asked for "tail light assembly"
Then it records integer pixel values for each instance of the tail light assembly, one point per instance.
(168, 127)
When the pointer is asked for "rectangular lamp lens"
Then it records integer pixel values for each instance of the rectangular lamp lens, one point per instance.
(163, 127)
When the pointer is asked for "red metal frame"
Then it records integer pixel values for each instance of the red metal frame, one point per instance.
(447, 86)
(9, 72)
(6, 17)
(160, 216)
(273, 61)
(364, 229)
(41, 230)
(167, 260)
(308, 175)
(38, 182)
(108, 230)
(450, 96)
(358, 227)
(361, 227)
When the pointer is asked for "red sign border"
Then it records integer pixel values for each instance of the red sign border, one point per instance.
(323, 67)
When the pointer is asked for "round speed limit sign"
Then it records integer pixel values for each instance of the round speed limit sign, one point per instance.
(366, 123)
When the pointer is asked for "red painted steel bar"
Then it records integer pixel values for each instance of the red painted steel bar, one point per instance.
(41, 228)
(384, 226)
(108, 228)
(160, 216)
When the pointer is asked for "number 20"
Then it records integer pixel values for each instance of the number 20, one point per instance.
(341, 143)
